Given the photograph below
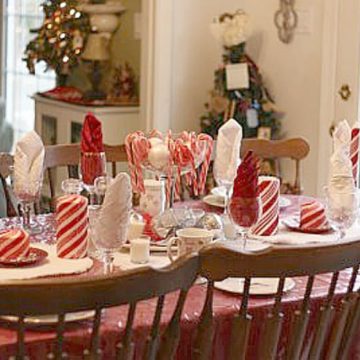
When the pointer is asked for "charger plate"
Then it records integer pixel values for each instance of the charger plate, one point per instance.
(258, 286)
(48, 320)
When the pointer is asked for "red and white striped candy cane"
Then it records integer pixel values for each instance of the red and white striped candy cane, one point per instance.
(155, 133)
(170, 166)
(205, 165)
(354, 152)
(140, 148)
(128, 147)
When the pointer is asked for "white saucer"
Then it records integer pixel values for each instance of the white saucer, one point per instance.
(214, 200)
(217, 199)
(153, 247)
(47, 320)
(284, 202)
(259, 286)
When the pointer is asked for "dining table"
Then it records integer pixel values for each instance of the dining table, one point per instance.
(39, 339)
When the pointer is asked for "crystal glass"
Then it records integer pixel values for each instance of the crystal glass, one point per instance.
(92, 165)
(342, 208)
(28, 195)
(244, 213)
(101, 184)
(226, 184)
(71, 186)
(106, 247)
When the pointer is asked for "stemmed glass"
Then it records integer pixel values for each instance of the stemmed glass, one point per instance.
(226, 184)
(244, 213)
(27, 194)
(106, 248)
(92, 165)
(342, 209)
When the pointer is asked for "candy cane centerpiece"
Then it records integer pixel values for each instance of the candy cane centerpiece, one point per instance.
(169, 156)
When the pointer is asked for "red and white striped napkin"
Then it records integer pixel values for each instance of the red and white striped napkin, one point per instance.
(312, 216)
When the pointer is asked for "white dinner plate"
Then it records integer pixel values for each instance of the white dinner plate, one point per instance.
(284, 202)
(258, 286)
(48, 320)
(217, 199)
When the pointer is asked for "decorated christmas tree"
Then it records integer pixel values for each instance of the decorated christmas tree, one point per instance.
(239, 91)
(60, 39)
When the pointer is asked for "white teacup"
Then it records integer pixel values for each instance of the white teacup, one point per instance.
(189, 240)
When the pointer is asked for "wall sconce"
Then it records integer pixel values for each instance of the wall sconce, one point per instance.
(286, 20)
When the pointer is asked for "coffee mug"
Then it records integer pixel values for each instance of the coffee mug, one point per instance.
(189, 240)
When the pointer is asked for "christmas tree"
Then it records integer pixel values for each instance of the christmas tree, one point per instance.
(61, 38)
(239, 91)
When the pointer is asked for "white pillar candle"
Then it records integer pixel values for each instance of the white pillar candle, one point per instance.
(140, 250)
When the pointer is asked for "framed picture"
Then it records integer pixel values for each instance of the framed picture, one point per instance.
(264, 132)
(237, 76)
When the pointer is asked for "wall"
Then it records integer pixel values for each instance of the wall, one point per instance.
(292, 72)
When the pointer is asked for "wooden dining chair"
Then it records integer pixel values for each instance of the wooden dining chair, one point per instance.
(294, 148)
(68, 155)
(6, 161)
(335, 323)
(65, 295)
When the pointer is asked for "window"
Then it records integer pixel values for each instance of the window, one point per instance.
(19, 16)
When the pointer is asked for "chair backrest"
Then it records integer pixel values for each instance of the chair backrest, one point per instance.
(6, 161)
(62, 296)
(294, 148)
(218, 263)
(69, 155)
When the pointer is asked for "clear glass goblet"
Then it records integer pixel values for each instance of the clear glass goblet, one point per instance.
(244, 213)
(92, 165)
(342, 208)
(28, 195)
(107, 241)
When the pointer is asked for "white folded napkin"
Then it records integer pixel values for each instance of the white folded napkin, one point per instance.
(28, 164)
(228, 147)
(341, 181)
(112, 225)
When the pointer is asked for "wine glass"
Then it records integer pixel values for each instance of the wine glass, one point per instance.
(106, 247)
(226, 183)
(101, 184)
(342, 209)
(27, 194)
(92, 165)
(244, 213)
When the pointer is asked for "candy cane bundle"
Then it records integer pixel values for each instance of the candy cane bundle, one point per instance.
(164, 153)
(71, 226)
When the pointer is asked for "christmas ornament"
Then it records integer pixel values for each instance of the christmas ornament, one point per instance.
(159, 156)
